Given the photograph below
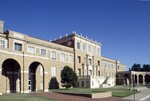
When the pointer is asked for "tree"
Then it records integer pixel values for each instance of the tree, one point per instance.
(68, 77)
(136, 67)
(146, 67)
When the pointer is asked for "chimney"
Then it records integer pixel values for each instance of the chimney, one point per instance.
(1, 26)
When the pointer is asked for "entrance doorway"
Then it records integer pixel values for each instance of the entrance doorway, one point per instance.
(36, 77)
(11, 70)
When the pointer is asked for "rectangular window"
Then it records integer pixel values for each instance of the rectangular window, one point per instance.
(43, 51)
(90, 61)
(98, 51)
(99, 73)
(53, 55)
(53, 71)
(112, 66)
(78, 45)
(31, 49)
(89, 49)
(18, 47)
(84, 47)
(108, 65)
(2, 43)
(79, 59)
(79, 72)
(63, 56)
(98, 62)
(70, 58)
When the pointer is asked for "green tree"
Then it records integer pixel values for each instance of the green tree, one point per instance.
(136, 67)
(146, 67)
(68, 77)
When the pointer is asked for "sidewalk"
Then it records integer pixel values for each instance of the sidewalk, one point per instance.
(143, 95)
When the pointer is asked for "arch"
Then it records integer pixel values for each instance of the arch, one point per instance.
(135, 79)
(126, 79)
(140, 79)
(11, 70)
(147, 79)
(36, 76)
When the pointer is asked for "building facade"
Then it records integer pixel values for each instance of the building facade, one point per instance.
(31, 64)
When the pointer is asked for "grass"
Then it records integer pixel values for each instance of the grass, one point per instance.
(117, 91)
(23, 97)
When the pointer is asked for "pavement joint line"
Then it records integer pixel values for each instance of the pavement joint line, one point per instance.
(144, 98)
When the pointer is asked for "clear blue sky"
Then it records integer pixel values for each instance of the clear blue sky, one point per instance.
(122, 26)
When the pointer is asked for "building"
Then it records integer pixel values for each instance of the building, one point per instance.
(93, 69)
(133, 77)
(31, 64)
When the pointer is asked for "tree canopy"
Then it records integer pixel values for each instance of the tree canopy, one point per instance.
(138, 67)
(68, 77)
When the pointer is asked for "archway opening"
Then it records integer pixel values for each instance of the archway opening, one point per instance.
(126, 79)
(36, 77)
(147, 79)
(11, 70)
(135, 79)
(140, 79)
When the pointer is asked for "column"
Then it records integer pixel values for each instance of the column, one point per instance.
(137, 79)
(46, 82)
(143, 79)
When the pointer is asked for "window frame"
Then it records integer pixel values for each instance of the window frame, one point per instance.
(41, 52)
(17, 43)
(29, 50)
(2, 45)
(53, 58)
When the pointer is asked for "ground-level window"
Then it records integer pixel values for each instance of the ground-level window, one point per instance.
(53, 71)
(82, 83)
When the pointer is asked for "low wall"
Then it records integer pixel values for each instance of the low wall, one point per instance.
(93, 95)
(101, 95)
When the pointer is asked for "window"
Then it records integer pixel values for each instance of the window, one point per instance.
(2, 43)
(43, 51)
(79, 72)
(79, 59)
(70, 58)
(97, 50)
(53, 55)
(63, 56)
(78, 45)
(18, 47)
(31, 49)
(90, 61)
(84, 47)
(98, 62)
(61, 68)
(53, 71)
(108, 65)
(112, 66)
(89, 49)
(98, 73)
(105, 64)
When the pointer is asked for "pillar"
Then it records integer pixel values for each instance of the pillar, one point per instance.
(137, 79)
(143, 79)
(46, 82)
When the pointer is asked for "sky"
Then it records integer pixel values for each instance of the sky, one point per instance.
(121, 26)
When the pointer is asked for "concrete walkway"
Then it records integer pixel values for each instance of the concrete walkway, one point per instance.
(142, 96)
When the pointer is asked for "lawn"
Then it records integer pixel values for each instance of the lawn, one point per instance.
(22, 97)
(117, 91)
